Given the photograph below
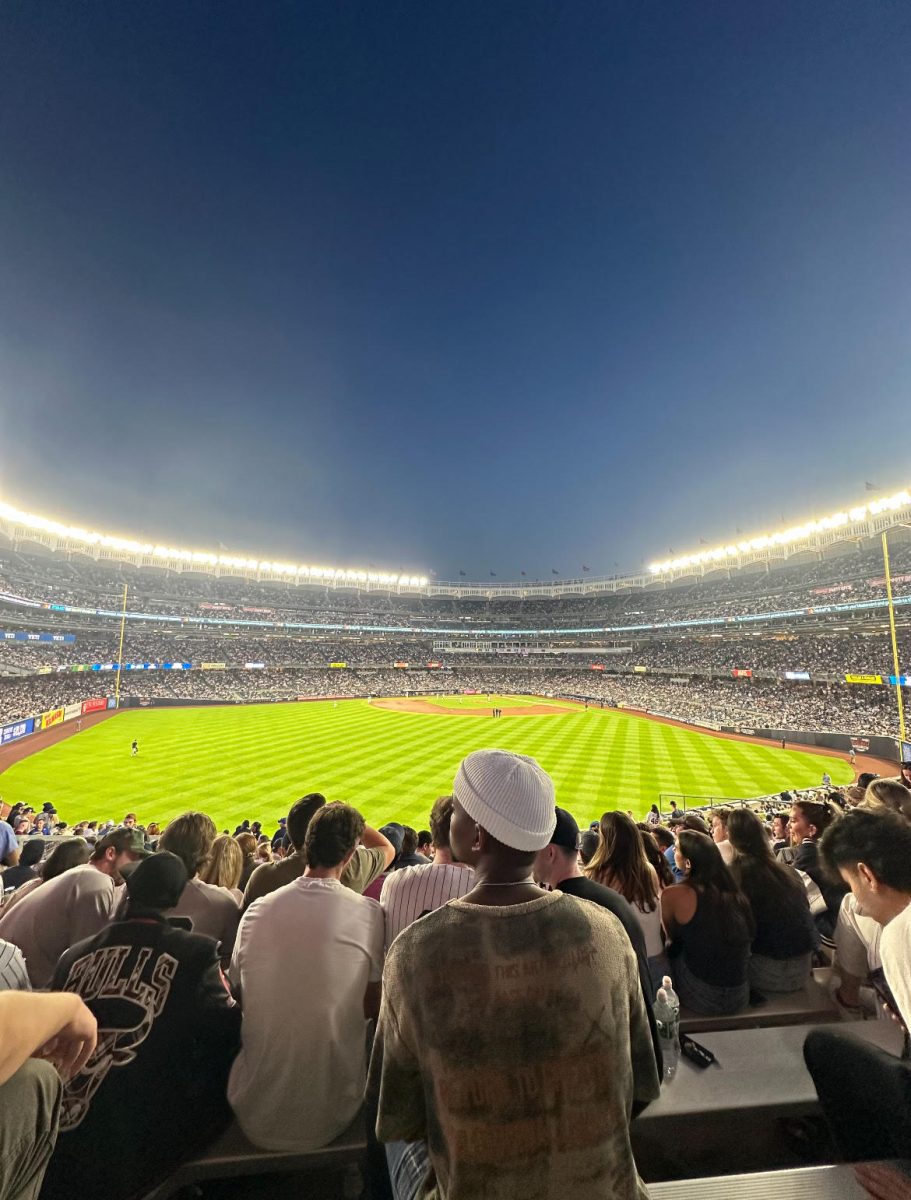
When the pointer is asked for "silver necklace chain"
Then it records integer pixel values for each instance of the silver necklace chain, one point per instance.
(511, 883)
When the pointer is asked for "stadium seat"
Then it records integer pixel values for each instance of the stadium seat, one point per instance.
(813, 1004)
(731, 1113)
(807, 1183)
(232, 1156)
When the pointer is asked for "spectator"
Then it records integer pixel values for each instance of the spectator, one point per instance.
(720, 834)
(74, 852)
(871, 1119)
(9, 846)
(620, 863)
(415, 890)
(556, 867)
(13, 975)
(226, 862)
(588, 844)
(655, 855)
(459, 989)
(317, 939)
(808, 823)
(75, 905)
(60, 1030)
(153, 833)
(247, 843)
(653, 817)
(781, 837)
(202, 907)
(667, 844)
(281, 834)
(785, 933)
(709, 921)
(14, 877)
(408, 855)
(168, 1030)
(395, 835)
(425, 843)
(364, 866)
(886, 793)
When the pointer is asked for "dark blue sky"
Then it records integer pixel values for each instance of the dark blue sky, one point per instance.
(488, 286)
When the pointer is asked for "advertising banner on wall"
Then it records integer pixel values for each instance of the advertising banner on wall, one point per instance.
(20, 636)
(53, 716)
(112, 702)
(96, 704)
(742, 673)
(338, 666)
(900, 680)
(802, 675)
(213, 666)
(18, 729)
(863, 679)
(71, 711)
(596, 666)
(400, 664)
(640, 670)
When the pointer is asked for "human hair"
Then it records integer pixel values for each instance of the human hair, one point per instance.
(655, 857)
(722, 815)
(588, 844)
(226, 861)
(409, 841)
(820, 815)
(877, 837)
(332, 835)
(865, 778)
(190, 837)
(32, 853)
(300, 815)
(425, 837)
(440, 820)
(264, 851)
(709, 876)
(695, 823)
(655, 810)
(662, 836)
(754, 862)
(888, 793)
(153, 829)
(247, 843)
(73, 853)
(620, 862)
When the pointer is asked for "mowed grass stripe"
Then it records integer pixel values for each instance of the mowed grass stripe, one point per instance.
(254, 761)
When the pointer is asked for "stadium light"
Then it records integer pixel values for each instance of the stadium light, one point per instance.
(785, 537)
(173, 554)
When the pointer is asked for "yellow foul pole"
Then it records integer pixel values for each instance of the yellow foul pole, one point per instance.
(895, 668)
(123, 624)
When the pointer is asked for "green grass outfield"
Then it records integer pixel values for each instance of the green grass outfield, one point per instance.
(253, 761)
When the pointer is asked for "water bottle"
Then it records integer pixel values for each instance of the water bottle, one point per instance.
(664, 1019)
(674, 1001)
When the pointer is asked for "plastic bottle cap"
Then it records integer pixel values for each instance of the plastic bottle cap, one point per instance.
(662, 995)
(667, 981)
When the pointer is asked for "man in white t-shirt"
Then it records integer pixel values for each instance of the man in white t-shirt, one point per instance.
(865, 1092)
(409, 893)
(203, 907)
(307, 967)
(75, 905)
(871, 850)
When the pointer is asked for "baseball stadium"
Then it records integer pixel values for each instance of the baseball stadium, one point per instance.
(732, 673)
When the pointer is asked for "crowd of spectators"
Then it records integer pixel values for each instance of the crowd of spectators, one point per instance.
(170, 987)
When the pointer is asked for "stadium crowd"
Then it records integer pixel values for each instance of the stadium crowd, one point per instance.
(169, 969)
(858, 711)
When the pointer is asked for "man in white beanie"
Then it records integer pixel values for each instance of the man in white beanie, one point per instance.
(513, 1046)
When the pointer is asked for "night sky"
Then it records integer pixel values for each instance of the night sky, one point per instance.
(483, 286)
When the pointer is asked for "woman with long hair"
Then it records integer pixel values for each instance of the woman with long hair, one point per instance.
(247, 843)
(620, 862)
(808, 823)
(786, 935)
(224, 867)
(654, 855)
(711, 926)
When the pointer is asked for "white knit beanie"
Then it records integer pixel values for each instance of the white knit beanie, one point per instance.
(509, 795)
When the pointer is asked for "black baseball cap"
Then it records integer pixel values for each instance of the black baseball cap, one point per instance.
(566, 831)
(157, 882)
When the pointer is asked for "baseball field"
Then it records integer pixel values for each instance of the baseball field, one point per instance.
(390, 758)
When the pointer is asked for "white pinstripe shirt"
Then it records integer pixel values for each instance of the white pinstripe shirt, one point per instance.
(13, 975)
(409, 893)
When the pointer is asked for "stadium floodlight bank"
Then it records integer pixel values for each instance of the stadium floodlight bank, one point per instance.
(856, 524)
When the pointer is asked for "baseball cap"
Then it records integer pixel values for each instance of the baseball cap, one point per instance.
(509, 795)
(395, 834)
(157, 882)
(124, 840)
(566, 832)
